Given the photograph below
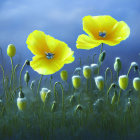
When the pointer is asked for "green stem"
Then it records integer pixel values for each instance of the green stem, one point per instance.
(39, 84)
(87, 86)
(62, 93)
(101, 48)
(108, 69)
(11, 73)
(14, 73)
(117, 75)
(93, 57)
(119, 96)
(109, 90)
(51, 81)
(129, 71)
(3, 74)
(20, 75)
(80, 62)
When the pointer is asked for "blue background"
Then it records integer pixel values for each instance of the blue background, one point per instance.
(62, 19)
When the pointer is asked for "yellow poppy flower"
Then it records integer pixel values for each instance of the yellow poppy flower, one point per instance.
(50, 53)
(102, 29)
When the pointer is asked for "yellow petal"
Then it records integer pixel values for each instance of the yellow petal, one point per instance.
(46, 66)
(86, 42)
(94, 25)
(120, 32)
(36, 42)
(60, 50)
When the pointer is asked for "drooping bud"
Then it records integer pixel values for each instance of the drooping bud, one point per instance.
(54, 105)
(44, 94)
(117, 64)
(135, 65)
(87, 72)
(76, 81)
(64, 75)
(27, 77)
(102, 56)
(21, 101)
(99, 80)
(123, 81)
(78, 108)
(11, 50)
(32, 85)
(72, 99)
(136, 83)
(27, 62)
(95, 68)
(114, 98)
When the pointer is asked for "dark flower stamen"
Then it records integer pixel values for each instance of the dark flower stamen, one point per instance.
(102, 34)
(49, 55)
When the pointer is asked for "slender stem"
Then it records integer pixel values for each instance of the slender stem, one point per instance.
(15, 72)
(39, 84)
(129, 71)
(117, 75)
(93, 57)
(20, 75)
(62, 93)
(109, 90)
(51, 81)
(11, 73)
(87, 85)
(101, 48)
(119, 96)
(80, 62)
(108, 69)
(3, 74)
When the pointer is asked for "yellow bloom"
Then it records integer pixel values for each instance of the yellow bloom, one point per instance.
(50, 53)
(21, 103)
(102, 29)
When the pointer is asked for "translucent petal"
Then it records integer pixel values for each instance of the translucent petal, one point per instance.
(86, 42)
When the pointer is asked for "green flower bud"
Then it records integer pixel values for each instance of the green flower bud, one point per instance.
(87, 72)
(76, 81)
(136, 83)
(94, 68)
(123, 82)
(99, 80)
(44, 93)
(32, 85)
(21, 101)
(78, 108)
(114, 98)
(64, 75)
(54, 105)
(117, 64)
(135, 65)
(26, 77)
(11, 50)
(102, 56)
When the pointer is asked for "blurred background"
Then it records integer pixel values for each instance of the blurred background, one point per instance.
(62, 19)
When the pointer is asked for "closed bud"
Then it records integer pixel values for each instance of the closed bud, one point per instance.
(123, 81)
(102, 56)
(78, 70)
(76, 81)
(72, 99)
(54, 105)
(117, 64)
(87, 72)
(27, 77)
(114, 98)
(21, 101)
(94, 68)
(27, 62)
(135, 65)
(32, 85)
(64, 75)
(99, 80)
(136, 83)
(11, 50)
(44, 94)
(78, 108)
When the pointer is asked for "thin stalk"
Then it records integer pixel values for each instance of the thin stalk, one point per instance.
(62, 93)
(101, 48)
(3, 75)
(93, 57)
(117, 75)
(11, 73)
(80, 62)
(108, 69)
(129, 71)
(87, 86)
(39, 84)
(15, 72)
(99, 55)
(20, 75)
(119, 96)
(109, 90)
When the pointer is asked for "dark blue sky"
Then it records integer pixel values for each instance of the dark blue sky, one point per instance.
(62, 19)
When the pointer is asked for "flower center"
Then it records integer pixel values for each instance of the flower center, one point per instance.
(49, 55)
(102, 34)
